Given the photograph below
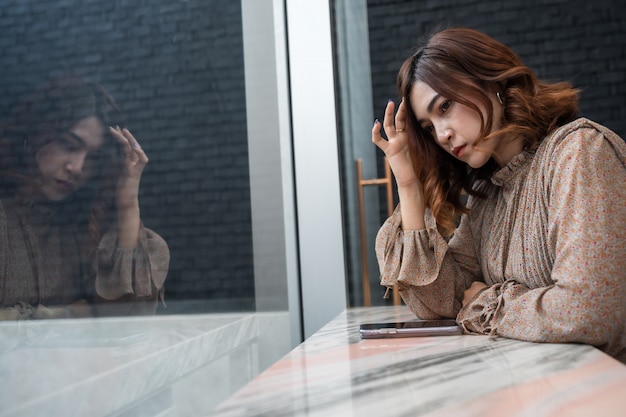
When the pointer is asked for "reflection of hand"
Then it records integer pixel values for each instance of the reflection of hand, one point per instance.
(80, 309)
(128, 220)
(15, 313)
(396, 147)
(43, 312)
(133, 164)
(472, 291)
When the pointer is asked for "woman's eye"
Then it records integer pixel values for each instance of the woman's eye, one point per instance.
(97, 157)
(429, 129)
(445, 106)
(67, 144)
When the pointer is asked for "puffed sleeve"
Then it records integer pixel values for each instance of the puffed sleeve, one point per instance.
(431, 274)
(136, 273)
(585, 190)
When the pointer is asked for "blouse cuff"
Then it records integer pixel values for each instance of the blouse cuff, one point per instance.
(483, 313)
(122, 271)
(414, 255)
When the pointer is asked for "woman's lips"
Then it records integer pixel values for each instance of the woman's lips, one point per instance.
(458, 151)
(65, 186)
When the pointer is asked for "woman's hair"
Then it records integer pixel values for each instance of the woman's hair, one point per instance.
(468, 67)
(43, 117)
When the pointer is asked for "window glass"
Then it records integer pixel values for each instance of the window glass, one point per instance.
(175, 69)
(127, 190)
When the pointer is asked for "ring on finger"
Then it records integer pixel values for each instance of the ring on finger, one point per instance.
(399, 130)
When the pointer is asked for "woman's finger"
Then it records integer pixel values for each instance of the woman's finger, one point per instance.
(388, 121)
(377, 137)
(136, 147)
(130, 138)
(401, 117)
(130, 146)
(119, 135)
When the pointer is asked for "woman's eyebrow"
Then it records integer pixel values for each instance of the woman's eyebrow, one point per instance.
(430, 106)
(75, 136)
(432, 102)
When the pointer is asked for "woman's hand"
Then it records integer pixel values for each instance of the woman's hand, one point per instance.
(472, 291)
(135, 160)
(133, 164)
(396, 147)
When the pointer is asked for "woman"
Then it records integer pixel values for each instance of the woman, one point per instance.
(71, 239)
(540, 251)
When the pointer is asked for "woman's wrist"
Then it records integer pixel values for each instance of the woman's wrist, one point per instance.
(127, 200)
(128, 223)
(412, 207)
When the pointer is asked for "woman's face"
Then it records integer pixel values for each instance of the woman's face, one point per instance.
(456, 127)
(71, 160)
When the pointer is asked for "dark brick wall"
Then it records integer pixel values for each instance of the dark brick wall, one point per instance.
(583, 42)
(176, 70)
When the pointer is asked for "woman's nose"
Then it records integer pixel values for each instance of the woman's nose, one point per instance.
(444, 135)
(75, 163)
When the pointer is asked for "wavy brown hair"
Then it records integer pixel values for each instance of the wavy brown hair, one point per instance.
(467, 66)
(43, 117)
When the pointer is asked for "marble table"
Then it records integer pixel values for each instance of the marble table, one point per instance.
(335, 373)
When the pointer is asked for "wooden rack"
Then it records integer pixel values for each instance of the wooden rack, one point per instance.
(387, 181)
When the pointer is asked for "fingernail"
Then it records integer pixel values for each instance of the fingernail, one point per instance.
(389, 101)
(375, 122)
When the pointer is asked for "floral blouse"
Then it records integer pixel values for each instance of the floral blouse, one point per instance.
(42, 269)
(549, 240)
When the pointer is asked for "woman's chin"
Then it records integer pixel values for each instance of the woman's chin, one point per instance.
(53, 194)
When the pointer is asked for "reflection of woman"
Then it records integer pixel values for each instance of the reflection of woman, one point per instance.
(540, 252)
(71, 238)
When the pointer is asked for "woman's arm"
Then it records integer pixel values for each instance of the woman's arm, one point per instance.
(411, 253)
(586, 194)
(127, 198)
(130, 280)
(396, 148)
(131, 262)
(431, 274)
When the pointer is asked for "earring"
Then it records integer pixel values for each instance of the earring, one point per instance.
(499, 98)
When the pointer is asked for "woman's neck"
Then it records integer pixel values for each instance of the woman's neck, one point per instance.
(507, 150)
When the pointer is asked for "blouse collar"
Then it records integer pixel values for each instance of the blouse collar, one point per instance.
(512, 169)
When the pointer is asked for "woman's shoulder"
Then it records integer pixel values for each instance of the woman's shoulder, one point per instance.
(581, 134)
(582, 128)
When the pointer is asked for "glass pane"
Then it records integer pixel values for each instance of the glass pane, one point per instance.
(82, 237)
(365, 184)
(176, 72)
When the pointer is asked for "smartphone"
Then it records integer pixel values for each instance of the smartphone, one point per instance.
(446, 327)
